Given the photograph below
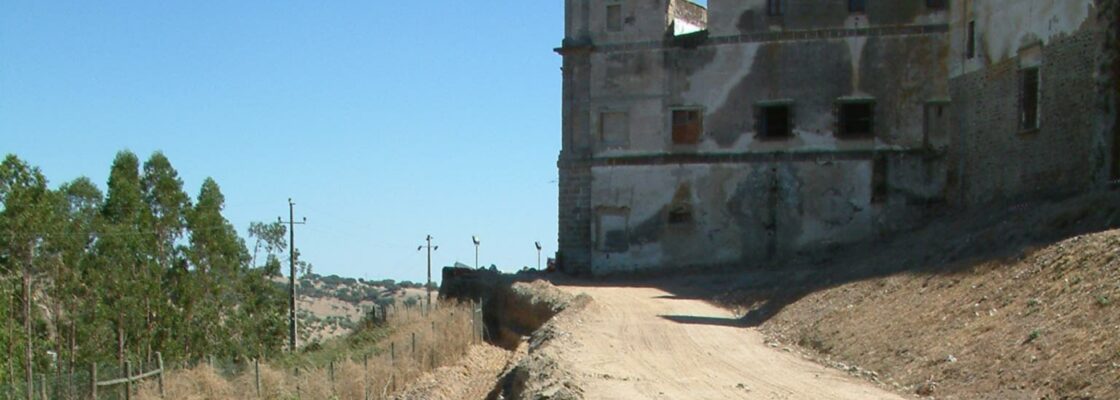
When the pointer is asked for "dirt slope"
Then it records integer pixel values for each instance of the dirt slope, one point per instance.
(643, 343)
(1043, 324)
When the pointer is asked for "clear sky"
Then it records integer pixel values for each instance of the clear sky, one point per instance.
(384, 120)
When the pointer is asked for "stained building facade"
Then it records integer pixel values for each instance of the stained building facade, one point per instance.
(754, 131)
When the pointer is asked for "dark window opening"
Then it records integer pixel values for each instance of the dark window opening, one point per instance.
(936, 4)
(879, 189)
(774, 8)
(970, 46)
(857, 120)
(857, 6)
(1029, 99)
(680, 214)
(774, 122)
(1116, 154)
(687, 126)
(614, 17)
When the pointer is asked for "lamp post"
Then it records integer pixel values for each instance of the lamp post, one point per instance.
(476, 243)
(538, 244)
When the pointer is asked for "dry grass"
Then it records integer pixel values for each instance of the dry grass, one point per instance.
(442, 337)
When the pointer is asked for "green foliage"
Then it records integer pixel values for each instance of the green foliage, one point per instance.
(135, 270)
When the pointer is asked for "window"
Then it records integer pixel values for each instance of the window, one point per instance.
(1028, 98)
(935, 4)
(774, 8)
(970, 46)
(614, 17)
(687, 126)
(879, 188)
(857, 120)
(857, 6)
(774, 122)
(614, 129)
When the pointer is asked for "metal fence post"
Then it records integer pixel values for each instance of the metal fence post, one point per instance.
(93, 380)
(128, 380)
(257, 372)
(159, 376)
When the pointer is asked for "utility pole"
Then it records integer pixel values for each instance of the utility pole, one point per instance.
(292, 273)
(429, 285)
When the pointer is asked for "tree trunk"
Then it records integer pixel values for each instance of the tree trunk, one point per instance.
(27, 328)
(11, 336)
(120, 339)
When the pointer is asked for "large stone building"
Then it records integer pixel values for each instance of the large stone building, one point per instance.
(753, 131)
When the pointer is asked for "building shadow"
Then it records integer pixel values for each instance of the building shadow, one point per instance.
(948, 244)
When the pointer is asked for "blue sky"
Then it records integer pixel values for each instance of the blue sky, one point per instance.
(384, 121)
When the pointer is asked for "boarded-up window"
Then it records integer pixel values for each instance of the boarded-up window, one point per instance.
(614, 129)
(1028, 98)
(612, 231)
(857, 6)
(879, 186)
(774, 122)
(614, 17)
(970, 46)
(774, 7)
(857, 120)
(687, 126)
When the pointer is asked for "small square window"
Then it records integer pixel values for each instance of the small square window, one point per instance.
(970, 46)
(857, 120)
(857, 6)
(687, 126)
(614, 17)
(774, 8)
(1029, 96)
(936, 4)
(774, 122)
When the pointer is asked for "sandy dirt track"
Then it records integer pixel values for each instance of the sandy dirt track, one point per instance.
(644, 343)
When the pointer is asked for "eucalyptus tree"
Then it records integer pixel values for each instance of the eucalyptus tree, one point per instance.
(167, 205)
(77, 207)
(217, 255)
(24, 220)
(123, 250)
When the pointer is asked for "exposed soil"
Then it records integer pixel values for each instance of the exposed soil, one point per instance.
(1040, 325)
(472, 377)
(645, 343)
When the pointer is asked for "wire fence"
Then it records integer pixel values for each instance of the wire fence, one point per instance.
(419, 340)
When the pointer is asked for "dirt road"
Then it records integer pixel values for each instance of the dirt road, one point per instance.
(644, 343)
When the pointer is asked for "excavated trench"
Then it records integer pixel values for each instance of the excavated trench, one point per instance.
(516, 312)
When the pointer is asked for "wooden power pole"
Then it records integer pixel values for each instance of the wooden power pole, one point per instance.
(430, 248)
(292, 274)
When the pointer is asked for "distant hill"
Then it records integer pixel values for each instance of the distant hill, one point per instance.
(330, 306)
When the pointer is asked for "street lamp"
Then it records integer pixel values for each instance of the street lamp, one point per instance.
(538, 255)
(476, 243)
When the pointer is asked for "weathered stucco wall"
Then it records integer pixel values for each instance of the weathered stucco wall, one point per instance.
(945, 126)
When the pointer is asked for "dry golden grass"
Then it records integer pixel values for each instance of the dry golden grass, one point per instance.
(442, 337)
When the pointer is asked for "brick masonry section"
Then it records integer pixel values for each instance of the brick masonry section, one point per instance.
(996, 160)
